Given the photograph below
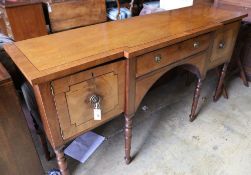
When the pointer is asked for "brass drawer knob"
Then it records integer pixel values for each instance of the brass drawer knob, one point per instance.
(157, 59)
(94, 100)
(222, 45)
(196, 44)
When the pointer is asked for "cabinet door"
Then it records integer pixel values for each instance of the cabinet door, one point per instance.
(73, 97)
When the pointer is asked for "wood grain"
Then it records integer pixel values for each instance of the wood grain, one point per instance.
(233, 5)
(72, 97)
(224, 43)
(26, 21)
(147, 63)
(71, 14)
(52, 57)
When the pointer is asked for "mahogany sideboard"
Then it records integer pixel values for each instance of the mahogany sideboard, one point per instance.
(111, 66)
(18, 155)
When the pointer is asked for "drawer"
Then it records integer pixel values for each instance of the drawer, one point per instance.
(224, 42)
(71, 14)
(160, 58)
(72, 96)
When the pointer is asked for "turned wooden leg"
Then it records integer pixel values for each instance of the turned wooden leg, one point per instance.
(128, 138)
(242, 73)
(224, 89)
(195, 100)
(220, 83)
(62, 164)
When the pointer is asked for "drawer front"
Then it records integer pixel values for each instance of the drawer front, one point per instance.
(72, 14)
(224, 42)
(160, 58)
(72, 97)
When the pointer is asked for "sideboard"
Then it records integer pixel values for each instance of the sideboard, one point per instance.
(106, 69)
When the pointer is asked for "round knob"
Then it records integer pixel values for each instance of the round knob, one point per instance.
(196, 44)
(94, 99)
(157, 59)
(221, 45)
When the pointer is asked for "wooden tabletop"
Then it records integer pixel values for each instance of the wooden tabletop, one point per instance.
(45, 58)
(233, 5)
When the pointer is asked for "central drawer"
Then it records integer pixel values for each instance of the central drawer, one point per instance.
(168, 55)
(73, 97)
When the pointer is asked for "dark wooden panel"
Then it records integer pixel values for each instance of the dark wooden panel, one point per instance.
(3, 28)
(71, 14)
(17, 155)
(26, 21)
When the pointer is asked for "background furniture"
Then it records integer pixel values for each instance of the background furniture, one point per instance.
(22, 20)
(119, 9)
(245, 53)
(70, 14)
(18, 154)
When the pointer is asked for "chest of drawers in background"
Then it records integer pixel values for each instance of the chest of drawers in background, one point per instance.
(69, 14)
(22, 19)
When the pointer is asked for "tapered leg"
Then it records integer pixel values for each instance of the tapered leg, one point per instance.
(242, 73)
(128, 138)
(195, 100)
(224, 89)
(62, 164)
(220, 83)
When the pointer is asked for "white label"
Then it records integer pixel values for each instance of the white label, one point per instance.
(97, 114)
(49, 7)
(171, 5)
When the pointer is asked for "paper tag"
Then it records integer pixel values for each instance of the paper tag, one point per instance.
(49, 7)
(97, 114)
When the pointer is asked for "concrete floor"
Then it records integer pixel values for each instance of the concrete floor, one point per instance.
(218, 142)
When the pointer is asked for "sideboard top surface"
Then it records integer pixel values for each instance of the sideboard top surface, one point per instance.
(48, 57)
